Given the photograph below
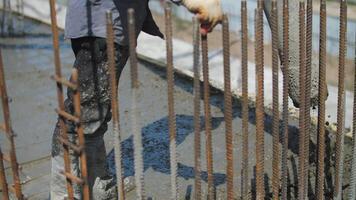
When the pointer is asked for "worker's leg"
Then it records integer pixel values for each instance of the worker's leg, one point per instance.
(91, 62)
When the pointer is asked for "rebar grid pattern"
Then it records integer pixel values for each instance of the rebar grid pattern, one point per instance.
(67, 145)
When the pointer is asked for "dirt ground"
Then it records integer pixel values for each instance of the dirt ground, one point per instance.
(183, 30)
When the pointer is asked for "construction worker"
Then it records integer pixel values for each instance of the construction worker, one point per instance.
(86, 28)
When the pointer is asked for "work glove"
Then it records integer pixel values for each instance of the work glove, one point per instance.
(209, 12)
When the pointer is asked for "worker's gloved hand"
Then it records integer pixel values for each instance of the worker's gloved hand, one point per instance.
(209, 12)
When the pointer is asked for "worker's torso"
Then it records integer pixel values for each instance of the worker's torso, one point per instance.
(87, 18)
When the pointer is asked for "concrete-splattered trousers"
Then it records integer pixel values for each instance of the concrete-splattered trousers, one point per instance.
(91, 62)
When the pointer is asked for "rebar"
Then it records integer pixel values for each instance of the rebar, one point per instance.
(115, 106)
(207, 114)
(4, 186)
(171, 112)
(341, 102)
(197, 142)
(244, 72)
(9, 133)
(60, 96)
(302, 109)
(259, 59)
(228, 110)
(321, 104)
(309, 52)
(81, 139)
(275, 93)
(352, 194)
(138, 149)
(285, 70)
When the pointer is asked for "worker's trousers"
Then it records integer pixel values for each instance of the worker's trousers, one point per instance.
(94, 86)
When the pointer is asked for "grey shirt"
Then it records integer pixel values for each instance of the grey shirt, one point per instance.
(87, 18)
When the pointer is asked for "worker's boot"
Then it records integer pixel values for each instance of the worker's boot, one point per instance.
(106, 188)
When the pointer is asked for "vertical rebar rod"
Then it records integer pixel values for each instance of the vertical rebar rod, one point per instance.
(60, 97)
(4, 186)
(275, 93)
(197, 142)
(352, 194)
(244, 72)
(81, 139)
(321, 104)
(10, 134)
(228, 110)
(138, 149)
(285, 62)
(207, 113)
(309, 52)
(171, 112)
(259, 54)
(115, 106)
(341, 102)
(302, 71)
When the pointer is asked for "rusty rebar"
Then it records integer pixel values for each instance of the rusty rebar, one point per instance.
(352, 194)
(197, 142)
(302, 109)
(81, 139)
(4, 186)
(228, 110)
(9, 133)
(275, 100)
(171, 112)
(60, 96)
(285, 114)
(341, 102)
(115, 105)
(309, 52)
(138, 149)
(244, 72)
(259, 59)
(321, 104)
(207, 114)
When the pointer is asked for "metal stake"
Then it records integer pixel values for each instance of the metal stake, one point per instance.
(138, 149)
(228, 110)
(244, 72)
(171, 113)
(197, 142)
(207, 113)
(352, 194)
(302, 109)
(115, 106)
(341, 102)
(259, 53)
(321, 107)
(275, 125)
(285, 62)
